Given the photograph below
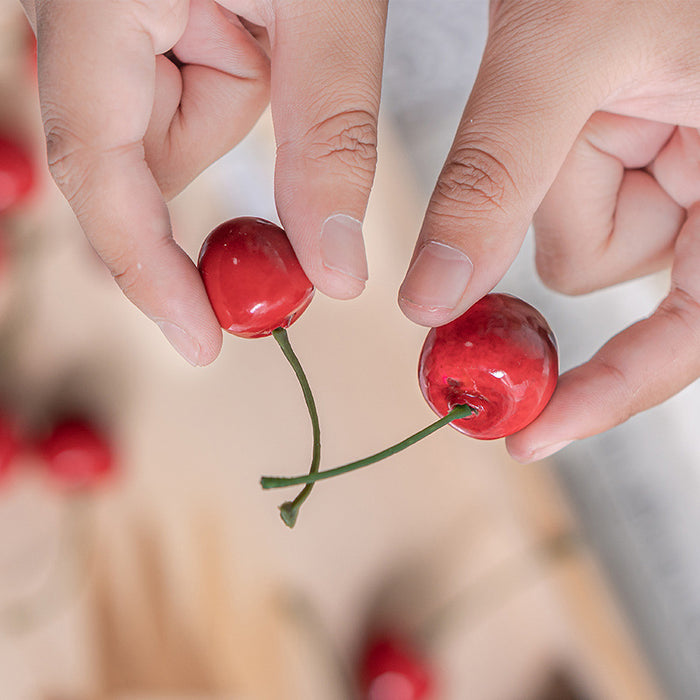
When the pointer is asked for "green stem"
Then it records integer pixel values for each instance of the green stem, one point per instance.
(289, 510)
(276, 482)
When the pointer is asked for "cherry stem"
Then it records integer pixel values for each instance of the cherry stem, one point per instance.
(276, 482)
(289, 510)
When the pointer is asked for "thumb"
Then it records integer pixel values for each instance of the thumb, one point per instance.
(530, 100)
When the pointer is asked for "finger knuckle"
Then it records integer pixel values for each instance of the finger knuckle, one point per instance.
(125, 271)
(67, 158)
(152, 7)
(164, 20)
(76, 162)
(571, 265)
(348, 138)
(623, 395)
(473, 177)
(561, 273)
(683, 310)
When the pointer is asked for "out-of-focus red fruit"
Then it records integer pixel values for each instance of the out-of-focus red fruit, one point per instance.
(77, 454)
(392, 669)
(16, 173)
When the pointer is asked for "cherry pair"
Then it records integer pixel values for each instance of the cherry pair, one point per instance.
(489, 373)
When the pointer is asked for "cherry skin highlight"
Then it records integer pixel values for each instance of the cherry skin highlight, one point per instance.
(392, 669)
(499, 357)
(252, 276)
(16, 173)
(76, 454)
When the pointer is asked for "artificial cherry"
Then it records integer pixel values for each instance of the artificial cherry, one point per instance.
(16, 173)
(391, 668)
(252, 276)
(500, 358)
(76, 453)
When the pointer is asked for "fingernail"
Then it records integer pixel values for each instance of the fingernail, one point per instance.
(438, 277)
(342, 247)
(548, 450)
(182, 341)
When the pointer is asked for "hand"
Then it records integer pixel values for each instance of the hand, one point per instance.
(127, 128)
(585, 116)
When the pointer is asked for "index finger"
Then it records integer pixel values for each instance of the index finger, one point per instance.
(528, 104)
(96, 86)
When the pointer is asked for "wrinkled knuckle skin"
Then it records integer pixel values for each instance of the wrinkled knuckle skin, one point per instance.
(619, 387)
(349, 138)
(125, 275)
(474, 178)
(66, 157)
(683, 308)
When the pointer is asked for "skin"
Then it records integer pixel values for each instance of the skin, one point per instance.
(584, 116)
(575, 120)
(126, 129)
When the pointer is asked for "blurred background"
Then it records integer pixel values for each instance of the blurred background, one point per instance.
(448, 572)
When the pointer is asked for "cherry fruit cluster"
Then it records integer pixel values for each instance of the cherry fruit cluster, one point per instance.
(488, 373)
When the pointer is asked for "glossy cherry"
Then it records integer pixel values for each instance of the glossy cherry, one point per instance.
(16, 173)
(76, 453)
(500, 358)
(253, 278)
(391, 668)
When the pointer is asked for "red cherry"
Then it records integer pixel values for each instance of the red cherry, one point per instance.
(392, 669)
(10, 445)
(500, 357)
(76, 453)
(16, 173)
(253, 278)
